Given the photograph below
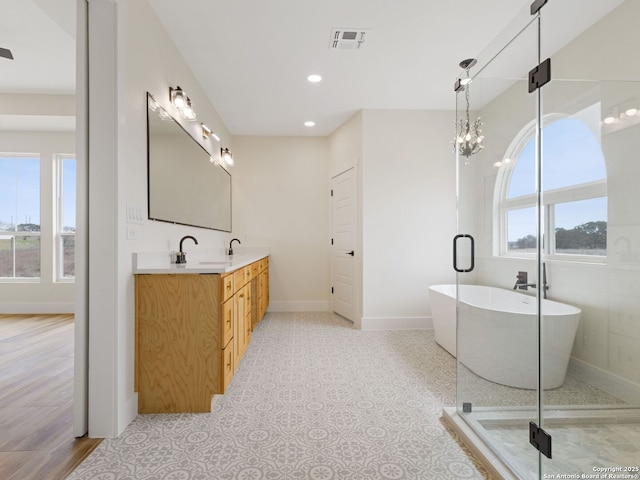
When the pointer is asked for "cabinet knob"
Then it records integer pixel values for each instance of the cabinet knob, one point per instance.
(228, 286)
(242, 295)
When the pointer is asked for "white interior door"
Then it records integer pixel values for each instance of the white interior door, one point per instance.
(343, 239)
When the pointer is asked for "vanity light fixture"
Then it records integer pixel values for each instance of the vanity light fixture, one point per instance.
(213, 134)
(206, 131)
(187, 112)
(182, 102)
(178, 97)
(226, 157)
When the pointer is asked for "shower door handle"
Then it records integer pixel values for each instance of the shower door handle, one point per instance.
(455, 253)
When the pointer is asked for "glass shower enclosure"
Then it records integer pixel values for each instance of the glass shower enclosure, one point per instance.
(548, 247)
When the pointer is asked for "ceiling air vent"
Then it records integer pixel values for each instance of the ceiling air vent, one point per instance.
(347, 38)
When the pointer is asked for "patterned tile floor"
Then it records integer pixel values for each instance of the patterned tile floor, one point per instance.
(312, 399)
(316, 399)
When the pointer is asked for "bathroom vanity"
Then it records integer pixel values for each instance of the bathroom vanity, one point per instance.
(193, 326)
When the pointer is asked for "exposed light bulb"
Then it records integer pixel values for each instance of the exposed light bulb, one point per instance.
(226, 158)
(178, 98)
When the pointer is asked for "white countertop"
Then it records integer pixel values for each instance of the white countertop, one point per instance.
(203, 262)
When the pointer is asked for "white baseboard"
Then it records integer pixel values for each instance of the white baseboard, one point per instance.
(396, 323)
(129, 413)
(606, 381)
(37, 308)
(298, 306)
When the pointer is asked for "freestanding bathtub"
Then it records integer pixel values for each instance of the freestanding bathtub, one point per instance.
(497, 333)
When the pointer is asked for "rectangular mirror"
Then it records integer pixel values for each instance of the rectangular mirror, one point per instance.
(185, 185)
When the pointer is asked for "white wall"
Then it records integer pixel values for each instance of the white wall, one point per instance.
(406, 183)
(281, 201)
(130, 54)
(45, 295)
(408, 196)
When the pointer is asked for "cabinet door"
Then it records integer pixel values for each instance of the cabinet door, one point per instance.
(239, 314)
(227, 366)
(248, 324)
(227, 322)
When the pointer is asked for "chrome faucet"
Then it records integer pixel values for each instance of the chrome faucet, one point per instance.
(230, 251)
(181, 256)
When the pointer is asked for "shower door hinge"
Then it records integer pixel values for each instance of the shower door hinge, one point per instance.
(540, 439)
(537, 5)
(540, 75)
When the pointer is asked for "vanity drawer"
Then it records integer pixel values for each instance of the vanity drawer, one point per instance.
(255, 269)
(227, 287)
(241, 276)
(227, 366)
(227, 321)
(262, 264)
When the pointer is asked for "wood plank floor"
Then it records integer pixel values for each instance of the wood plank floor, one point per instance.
(36, 396)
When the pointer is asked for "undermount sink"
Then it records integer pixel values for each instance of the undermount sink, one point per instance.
(216, 262)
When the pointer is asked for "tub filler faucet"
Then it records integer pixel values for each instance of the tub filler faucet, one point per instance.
(181, 256)
(522, 281)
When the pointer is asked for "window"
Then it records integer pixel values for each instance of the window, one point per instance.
(574, 195)
(66, 217)
(19, 216)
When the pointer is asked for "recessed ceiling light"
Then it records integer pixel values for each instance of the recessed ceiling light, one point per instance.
(315, 78)
(309, 123)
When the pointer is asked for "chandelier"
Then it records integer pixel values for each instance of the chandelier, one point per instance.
(469, 136)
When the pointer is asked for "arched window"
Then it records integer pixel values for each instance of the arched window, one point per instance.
(574, 190)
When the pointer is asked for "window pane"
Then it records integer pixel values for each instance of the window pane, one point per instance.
(20, 194)
(521, 230)
(68, 214)
(67, 218)
(581, 227)
(571, 156)
(27, 256)
(68, 256)
(6, 256)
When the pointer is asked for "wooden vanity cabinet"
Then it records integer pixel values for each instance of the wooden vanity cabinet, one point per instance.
(180, 335)
(192, 330)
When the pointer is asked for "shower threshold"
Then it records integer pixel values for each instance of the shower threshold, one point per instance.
(583, 438)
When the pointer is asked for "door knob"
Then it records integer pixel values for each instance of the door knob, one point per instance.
(351, 253)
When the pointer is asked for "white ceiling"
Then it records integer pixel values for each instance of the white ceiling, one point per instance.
(252, 57)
